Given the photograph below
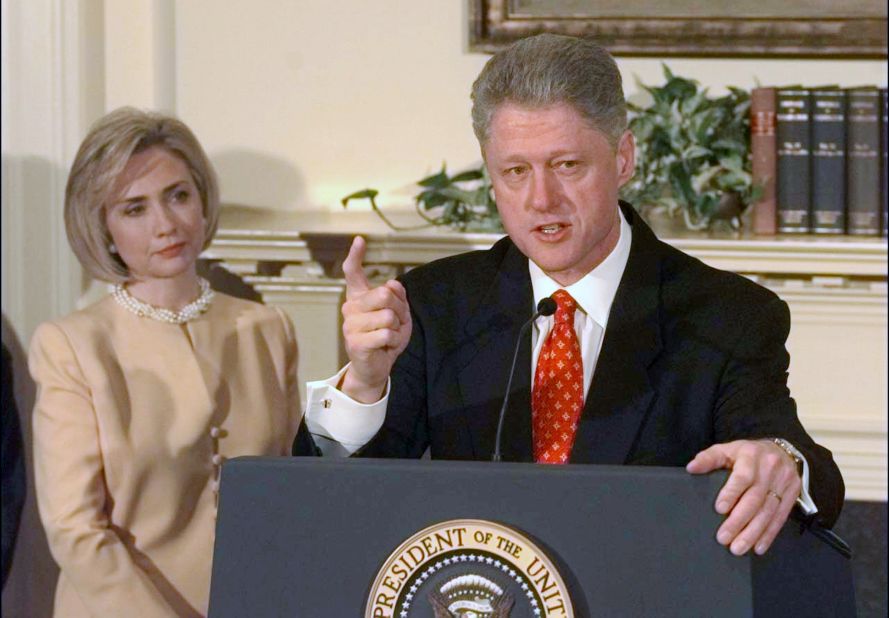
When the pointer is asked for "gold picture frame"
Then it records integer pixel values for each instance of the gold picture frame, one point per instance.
(669, 28)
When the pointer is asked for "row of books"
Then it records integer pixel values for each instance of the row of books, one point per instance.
(820, 156)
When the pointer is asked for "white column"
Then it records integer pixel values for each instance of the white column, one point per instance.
(53, 78)
(140, 54)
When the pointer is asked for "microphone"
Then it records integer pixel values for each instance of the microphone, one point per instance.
(546, 306)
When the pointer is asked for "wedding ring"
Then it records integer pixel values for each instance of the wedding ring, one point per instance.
(772, 493)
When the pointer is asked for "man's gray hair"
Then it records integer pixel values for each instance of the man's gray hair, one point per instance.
(548, 69)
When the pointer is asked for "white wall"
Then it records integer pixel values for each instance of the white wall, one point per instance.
(323, 98)
(298, 102)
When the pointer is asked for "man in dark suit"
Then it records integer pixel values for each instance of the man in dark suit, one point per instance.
(651, 356)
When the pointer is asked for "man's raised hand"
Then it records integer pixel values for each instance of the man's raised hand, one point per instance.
(376, 327)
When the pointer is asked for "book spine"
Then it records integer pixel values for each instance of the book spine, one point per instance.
(763, 156)
(828, 161)
(884, 160)
(863, 156)
(792, 189)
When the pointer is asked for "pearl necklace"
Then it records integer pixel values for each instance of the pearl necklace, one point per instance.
(186, 314)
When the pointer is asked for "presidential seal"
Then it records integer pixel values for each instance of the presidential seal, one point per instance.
(468, 568)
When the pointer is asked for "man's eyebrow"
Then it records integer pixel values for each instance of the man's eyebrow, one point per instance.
(562, 152)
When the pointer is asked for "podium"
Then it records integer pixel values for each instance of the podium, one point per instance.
(309, 537)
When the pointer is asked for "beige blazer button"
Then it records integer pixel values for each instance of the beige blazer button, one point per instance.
(218, 459)
(215, 432)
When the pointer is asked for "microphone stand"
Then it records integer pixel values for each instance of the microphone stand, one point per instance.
(546, 307)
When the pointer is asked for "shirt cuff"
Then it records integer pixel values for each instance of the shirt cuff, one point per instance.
(339, 424)
(804, 501)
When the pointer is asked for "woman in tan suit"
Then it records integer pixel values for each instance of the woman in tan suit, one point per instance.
(144, 394)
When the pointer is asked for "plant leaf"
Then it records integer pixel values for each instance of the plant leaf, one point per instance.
(696, 151)
(360, 195)
(467, 175)
(431, 199)
(458, 194)
(681, 184)
(436, 180)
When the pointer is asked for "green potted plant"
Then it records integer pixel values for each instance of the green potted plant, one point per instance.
(692, 153)
(691, 159)
(463, 201)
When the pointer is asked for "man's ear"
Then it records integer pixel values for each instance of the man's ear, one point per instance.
(626, 158)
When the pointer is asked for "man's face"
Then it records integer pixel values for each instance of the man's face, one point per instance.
(555, 180)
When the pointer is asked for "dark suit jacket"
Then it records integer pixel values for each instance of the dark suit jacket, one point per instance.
(13, 467)
(692, 356)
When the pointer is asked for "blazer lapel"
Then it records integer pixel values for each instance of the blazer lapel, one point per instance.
(620, 393)
(493, 328)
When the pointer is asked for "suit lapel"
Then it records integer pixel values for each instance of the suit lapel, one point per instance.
(493, 328)
(620, 393)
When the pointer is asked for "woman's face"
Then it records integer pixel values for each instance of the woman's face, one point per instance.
(157, 221)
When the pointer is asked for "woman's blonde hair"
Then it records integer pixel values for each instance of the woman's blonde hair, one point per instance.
(102, 157)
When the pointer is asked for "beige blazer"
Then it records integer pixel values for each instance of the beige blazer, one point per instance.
(132, 420)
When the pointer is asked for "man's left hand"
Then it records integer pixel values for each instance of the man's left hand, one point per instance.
(757, 497)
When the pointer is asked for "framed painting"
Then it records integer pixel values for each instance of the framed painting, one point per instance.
(696, 28)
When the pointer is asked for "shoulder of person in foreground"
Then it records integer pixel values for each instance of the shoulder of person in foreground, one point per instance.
(91, 323)
(461, 281)
(689, 281)
(14, 482)
(749, 325)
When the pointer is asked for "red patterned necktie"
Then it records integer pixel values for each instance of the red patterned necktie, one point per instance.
(557, 399)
